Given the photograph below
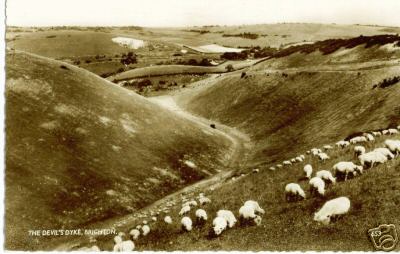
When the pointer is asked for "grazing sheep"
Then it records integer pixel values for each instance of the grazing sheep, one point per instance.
(344, 168)
(293, 191)
(293, 160)
(308, 170)
(186, 223)
(369, 136)
(326, 176)
(393, 131)
(386, 152)
(302, 156)
(377, 133)
(154, 219)
(272, 168)
(185, 209)
(124, 246)
(342, 144)
(144, 222)
(256, 170)
(358, 139)
(204, 200)
(138, 226)
(332, 208)
(201, 216)
(118, 239)
(168, 219)
(385, 132)
(229, 217)
(279, 166)
(358, 150)
(190, 203)
(393, 145)
(317, 185)
(315, 151)
(286, 163)
(327, 147)
(145, 230)
(255, 206)
(323, 156)
(299, 159)
(135, 233)
(219, 225)
(372, 158)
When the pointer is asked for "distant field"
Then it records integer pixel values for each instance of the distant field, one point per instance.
(162, 70)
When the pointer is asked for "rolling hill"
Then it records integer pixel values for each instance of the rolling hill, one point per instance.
(80, 150)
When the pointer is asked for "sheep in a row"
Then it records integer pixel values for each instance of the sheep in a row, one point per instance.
(342, 143)
(317, 185)
(326, 176)
(308, 170)
(186, 224)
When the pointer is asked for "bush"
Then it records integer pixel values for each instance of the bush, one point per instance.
(229, 68)
(234, 55)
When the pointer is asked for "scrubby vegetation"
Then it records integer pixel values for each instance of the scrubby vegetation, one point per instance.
(387, 82)
(332, 45)
(245, 35)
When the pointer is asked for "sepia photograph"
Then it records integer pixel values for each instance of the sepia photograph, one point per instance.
(201, 125)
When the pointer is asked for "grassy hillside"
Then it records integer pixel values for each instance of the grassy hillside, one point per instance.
(289, 226)
(285, 108)
(80, 150)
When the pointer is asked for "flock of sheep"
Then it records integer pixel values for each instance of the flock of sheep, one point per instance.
(340, 171)
(250, 212)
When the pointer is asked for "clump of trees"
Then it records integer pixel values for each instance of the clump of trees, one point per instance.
(245, 35)
(129, 58)
(235, 55)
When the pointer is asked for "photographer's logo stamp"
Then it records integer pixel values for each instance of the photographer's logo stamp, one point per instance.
(384, 237)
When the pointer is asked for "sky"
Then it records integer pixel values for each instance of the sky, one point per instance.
(178, 13)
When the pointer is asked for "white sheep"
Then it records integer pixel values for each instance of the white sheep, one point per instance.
(293, 160)
(145, 230)
(118, 239)
(371, 158)
(369, 136)
(135, 233)
(286, 163)
(204, 200)
(168, 219)
(358, 139)
(138, 226)
(124, 246)
(358, 150)
(393, 145)
(317, 184)
(144, 222)
(385, 132)
(254, 204)
(190, 203)
(201, 216)
(393, 131)
(315, 151)
(154, 218)
(256, 170)
(302, 156)
(377, 133)
(327, 147)
(299, 159)
(185, 209)
(186, 223)
(279, 165)
(386, 152)
(342, 144)
(345, 168)
(308, 170)
(293, 191)
(323, 156)
(332, 208)
(219, 225)
(272, 168)
(326, 176)
(229, 217)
